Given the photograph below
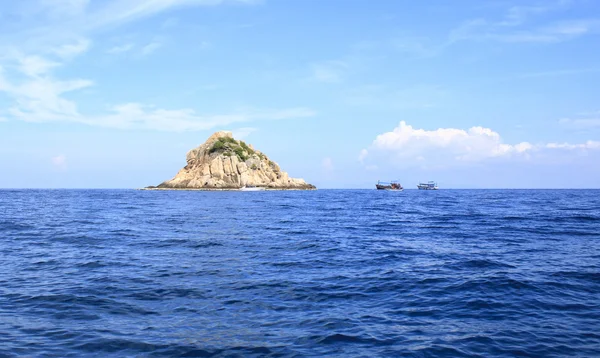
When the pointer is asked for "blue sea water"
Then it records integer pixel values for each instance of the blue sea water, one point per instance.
(363, 273)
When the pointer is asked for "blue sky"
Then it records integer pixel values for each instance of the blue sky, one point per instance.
(112, 94)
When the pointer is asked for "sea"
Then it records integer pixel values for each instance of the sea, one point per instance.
(336, 273)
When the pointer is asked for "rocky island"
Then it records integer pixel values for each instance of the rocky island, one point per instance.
(224, 163)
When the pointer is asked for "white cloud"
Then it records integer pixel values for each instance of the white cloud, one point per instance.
(41, 98)
(363, 155)
(120, 49)
(63, 28)
(4, 85)
(151, 47)
(421, 96)
(590, 144)
(582, 123)
(242, 133)
(562, 72)
(135, 115)
(121, 11)
(328, 71)
(416, 46)
(573, 28)
(409, 146)
(518, 24)
(59, 35)
(88, 15)
(59, 162)
(203, 45)
(73, 49)
(472, 144)
(513, 27)
(169, 23)
(64, 7)
(517, 15)
(34, 66)
(328, 171)
(327, 164)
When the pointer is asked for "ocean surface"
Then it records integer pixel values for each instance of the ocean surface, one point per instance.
(346, 273)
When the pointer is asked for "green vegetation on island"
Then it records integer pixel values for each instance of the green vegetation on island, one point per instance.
(229, 146)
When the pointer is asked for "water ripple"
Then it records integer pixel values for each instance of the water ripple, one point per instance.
(454, 273)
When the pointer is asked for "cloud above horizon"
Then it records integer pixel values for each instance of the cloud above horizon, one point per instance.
(515, 27)
(328, 71)
(28, 72)
(40, 98)
(407, 146)
(59, 162)
(587, 120)
(515, 24)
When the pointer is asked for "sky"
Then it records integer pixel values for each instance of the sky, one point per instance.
(343, 93)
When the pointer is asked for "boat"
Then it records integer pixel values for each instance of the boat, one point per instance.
(393, 186)
(251, 188)
(430, 185)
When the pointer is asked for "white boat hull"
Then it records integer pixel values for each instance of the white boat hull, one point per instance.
(252, 189)
(431, 185)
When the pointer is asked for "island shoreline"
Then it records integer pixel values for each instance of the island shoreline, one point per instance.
(226, 189)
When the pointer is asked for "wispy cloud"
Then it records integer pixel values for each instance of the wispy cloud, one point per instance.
(4, 85)
(59, 162)
(40, 98)
(514, 27)
(563, 72)
(135, 115)
(328, 71)
(151, 47)
(242, 133)
(519, 14)
(327, 164)
(169, 23)
(203, 45)
(63, 31)
(56, 9)
(73, 49)
(416, 46)
(120, 48)
(590, 144)
(516, 24)
(363, 155)
(122, 11)
(583, 121)
(34, 66)
(328, 168)
(421, 96)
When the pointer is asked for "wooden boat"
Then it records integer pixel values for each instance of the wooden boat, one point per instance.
(392, 186)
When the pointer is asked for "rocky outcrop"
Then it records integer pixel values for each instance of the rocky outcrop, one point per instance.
(225, 163)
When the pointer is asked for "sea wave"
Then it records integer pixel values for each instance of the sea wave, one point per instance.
(452, 273)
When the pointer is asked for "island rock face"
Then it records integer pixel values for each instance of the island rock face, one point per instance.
(225, 163)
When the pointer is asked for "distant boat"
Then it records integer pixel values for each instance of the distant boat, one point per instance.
(252, 188)
(393, 186)
(430, 185)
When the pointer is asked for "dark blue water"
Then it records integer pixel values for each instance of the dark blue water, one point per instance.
(453, 273)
